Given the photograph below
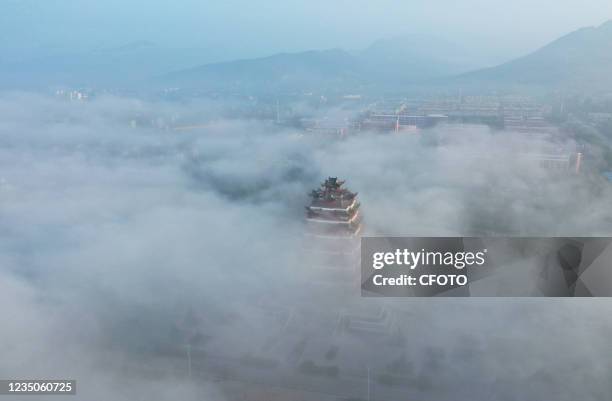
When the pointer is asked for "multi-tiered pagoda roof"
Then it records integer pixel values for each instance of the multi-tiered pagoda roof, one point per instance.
(334, 210)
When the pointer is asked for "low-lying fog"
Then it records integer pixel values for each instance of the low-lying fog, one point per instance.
(120, 244)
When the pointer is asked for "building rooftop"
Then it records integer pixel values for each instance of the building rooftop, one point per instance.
(334, 210)
(331, 195)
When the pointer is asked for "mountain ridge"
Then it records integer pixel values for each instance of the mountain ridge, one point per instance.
(383, 63)
(581, 59)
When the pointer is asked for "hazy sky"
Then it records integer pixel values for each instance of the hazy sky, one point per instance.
(246, 28)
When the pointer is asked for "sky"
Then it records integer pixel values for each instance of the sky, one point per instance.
(241, 28)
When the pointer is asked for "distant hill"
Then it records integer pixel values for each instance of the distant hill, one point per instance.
(123, 66)
(280, 71)
(581, 61)
(385, 64)
(413, 58)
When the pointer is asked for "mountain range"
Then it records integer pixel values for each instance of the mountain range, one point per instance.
(122, 66)
(382, 65)
(581, 61)
(578, 61)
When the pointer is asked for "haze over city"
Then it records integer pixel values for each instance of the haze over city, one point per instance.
(184, 188)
